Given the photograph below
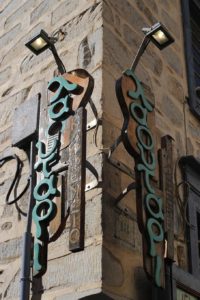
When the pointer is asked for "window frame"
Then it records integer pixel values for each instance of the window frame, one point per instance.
(190, 167)
(193, 100)
(186, 282)
(178, 278)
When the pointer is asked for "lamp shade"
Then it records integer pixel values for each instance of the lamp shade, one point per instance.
(39, 43)
(160, 36)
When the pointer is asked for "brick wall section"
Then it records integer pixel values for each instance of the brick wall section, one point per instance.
(22, 75)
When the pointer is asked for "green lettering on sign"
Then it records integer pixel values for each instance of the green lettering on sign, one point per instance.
(46, 189)
(132, 95)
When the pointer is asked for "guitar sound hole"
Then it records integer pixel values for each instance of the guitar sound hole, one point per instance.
(58, 107)
(154, 206)
(55, 128)
(139, 113)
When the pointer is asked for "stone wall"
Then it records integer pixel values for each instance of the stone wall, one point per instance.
(163, 74)
(23, 75)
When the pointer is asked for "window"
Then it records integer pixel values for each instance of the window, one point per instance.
(191, 175)
(182, 295)
(184, 286)
(191, 25)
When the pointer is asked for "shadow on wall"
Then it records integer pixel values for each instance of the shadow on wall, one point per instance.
(143, 286)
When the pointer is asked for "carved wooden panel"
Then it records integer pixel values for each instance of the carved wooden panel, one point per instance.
(76, 180)
(167, 175)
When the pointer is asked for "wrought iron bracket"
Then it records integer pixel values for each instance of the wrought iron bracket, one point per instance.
(91, 185)
(91, 124)
(125, 210)
(94, 183)
(116, 163)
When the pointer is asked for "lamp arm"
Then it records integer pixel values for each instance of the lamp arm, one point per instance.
(59, 62)
(141, 50)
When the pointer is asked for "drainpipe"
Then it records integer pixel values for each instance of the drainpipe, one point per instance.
(27, 238)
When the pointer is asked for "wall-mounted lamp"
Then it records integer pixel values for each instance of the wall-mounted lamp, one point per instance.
(159, 35)
(40, 43)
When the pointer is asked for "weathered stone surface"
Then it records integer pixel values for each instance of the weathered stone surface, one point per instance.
(7, 91)
(94, 168)
(114, 274)
(175, 88)
(127, 12)
(171, 24)
(85, 53)
(82, 295)
(108, 13)
(9, 8)
(5, 135)
(20, 13)
(7, 210)
(10, 35)
(11, 103)
(67, 6)
(173, 60)
(114, 50)
(41, 9)
(4, 75)
(10, 249)
(149, 9)
(90, 50)
(63, 271)
(83, 22)
(12, 291)
(153, 61)
(93, 210)
(16, 50)
(6, 226)
(179, 141)
(172, 111)
(194, 131)
(9, 278)
(125, 228)
(190, 147)
(112, 109)
(32, 61)
(132, 38)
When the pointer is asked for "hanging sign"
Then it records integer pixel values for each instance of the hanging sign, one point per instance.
(167, 162)
(76, 181)
(138, 140)
(70, 93)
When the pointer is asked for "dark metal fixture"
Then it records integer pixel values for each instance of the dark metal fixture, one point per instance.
(42, 42)
(159, 35)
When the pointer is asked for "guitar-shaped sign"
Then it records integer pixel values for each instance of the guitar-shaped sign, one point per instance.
(138, 140)
(66, 129)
